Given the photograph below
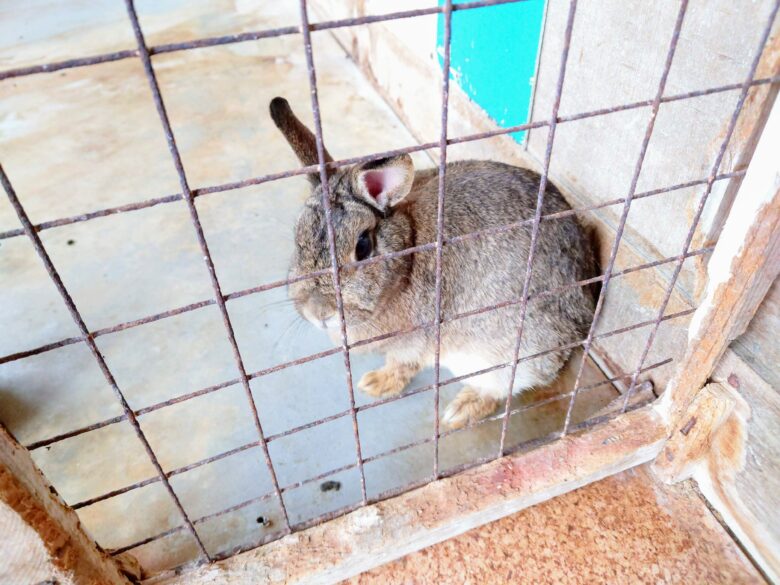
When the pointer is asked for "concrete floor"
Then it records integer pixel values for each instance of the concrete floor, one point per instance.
(84, 139)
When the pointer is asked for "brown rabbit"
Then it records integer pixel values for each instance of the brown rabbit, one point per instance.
(385, 206)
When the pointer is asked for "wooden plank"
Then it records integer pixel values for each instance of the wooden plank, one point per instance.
(596, 156)
(730, 461)
(385, 531)
(759, 345)
(743, 266)
(42, 540)
(741, 481)
(400, 60)
(746, 135)
(642, 395)
(728, 445)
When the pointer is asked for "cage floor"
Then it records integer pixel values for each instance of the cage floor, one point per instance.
(89, 138)
(627, 528)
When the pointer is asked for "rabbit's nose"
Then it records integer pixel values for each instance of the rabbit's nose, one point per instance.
(322, 322)
(331, 322)
(320, 314)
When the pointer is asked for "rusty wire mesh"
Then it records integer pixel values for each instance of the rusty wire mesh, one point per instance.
(188, 195)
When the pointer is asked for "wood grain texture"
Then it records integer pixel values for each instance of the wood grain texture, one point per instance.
(388, 530)
(745, 263)
(694, 440)
(740, 479)
(759, 346)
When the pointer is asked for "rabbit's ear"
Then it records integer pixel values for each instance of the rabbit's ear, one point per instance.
(298, 136)
(384, 183)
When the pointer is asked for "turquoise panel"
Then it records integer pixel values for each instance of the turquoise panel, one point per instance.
(493, 57)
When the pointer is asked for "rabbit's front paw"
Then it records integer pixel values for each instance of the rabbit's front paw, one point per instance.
(383, 382)
(469, 406)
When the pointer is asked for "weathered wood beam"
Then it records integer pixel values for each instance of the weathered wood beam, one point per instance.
(42, 539)
(711, 428)
(739, 477)
(745, 262)
(691, 444)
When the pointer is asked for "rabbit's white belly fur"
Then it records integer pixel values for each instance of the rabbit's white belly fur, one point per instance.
(494, 383)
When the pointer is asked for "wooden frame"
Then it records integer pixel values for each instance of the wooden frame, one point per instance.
(710, 426)
(698, 429)
(745, 263)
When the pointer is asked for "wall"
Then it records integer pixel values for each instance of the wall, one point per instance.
(617, 56)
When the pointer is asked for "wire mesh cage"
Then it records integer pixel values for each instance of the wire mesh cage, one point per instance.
(285, 477)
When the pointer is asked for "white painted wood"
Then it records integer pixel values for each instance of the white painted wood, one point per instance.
(737, 473)
(745, 263)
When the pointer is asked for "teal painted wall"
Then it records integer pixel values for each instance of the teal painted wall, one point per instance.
(493, 57)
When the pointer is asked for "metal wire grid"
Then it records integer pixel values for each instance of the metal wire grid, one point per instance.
(626, 208)
(188, 195)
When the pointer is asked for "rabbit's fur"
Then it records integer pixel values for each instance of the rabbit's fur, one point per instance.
(397, 208)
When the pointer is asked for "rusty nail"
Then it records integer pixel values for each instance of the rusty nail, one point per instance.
(688, 426)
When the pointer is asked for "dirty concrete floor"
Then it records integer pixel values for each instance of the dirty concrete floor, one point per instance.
(625, 529)
(84, 139)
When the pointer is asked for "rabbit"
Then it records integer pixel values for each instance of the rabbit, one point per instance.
(385, 206)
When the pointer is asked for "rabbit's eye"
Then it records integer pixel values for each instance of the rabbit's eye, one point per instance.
(364, 246)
